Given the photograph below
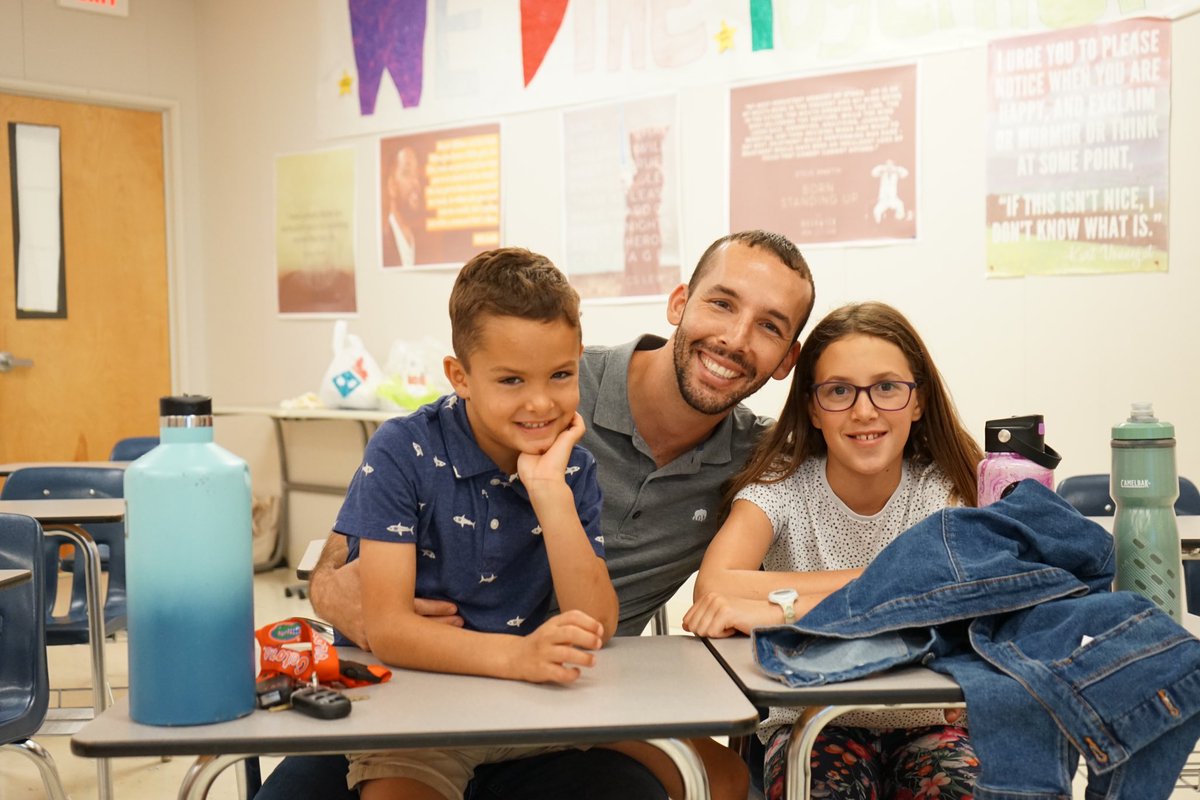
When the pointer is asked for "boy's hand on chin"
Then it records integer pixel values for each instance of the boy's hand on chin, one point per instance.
(552, 464)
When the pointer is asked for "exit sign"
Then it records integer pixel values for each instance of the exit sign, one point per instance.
(118, 8)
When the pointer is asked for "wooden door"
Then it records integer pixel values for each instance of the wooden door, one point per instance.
(97, 374)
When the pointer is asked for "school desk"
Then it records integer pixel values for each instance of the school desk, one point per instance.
(657, 688)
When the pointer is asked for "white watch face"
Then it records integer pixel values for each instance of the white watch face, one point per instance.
(783, 596)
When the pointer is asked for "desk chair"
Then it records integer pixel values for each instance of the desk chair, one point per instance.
(24, 686)
(133, 448)
(35, 483)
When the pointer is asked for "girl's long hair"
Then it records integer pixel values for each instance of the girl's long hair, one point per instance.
(938, 437)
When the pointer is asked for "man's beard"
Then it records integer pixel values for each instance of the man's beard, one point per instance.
(708, 402)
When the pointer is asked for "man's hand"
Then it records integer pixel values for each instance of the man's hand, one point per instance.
(718, 615)
(551, 465)
(335, 590)
(550, 654)
(438, 611)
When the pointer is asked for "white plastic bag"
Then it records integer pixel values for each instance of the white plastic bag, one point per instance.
(413, 375)
(353, 376)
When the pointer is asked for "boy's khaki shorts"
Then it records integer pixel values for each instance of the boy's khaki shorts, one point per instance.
(447, 770)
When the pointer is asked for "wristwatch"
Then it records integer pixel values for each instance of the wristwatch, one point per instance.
(785, 599)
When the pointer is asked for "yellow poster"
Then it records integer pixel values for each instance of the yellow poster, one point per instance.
(314, 232)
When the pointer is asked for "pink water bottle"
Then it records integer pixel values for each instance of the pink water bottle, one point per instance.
(1014, 449)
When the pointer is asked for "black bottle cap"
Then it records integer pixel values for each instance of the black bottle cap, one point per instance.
(1024, 436)
(188, 405)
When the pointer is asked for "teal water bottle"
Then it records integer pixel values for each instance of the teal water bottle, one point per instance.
(1144, 486)
(189, 574)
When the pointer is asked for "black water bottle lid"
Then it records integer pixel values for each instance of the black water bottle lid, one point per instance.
(187, 405)
(1024, 436)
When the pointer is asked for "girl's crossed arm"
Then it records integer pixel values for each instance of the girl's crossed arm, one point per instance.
(731, 590)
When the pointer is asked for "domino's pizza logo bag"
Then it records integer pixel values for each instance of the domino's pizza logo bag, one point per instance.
(353, 377)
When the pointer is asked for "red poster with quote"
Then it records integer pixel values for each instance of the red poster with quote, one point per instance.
(832, 158)
(1078, 147)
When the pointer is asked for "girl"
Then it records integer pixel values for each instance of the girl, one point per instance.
(868, 444)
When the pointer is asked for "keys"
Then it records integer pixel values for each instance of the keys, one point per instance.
(319, 702)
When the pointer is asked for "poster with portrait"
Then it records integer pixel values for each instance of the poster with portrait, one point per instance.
(1078, 150)
(826, 159)
(621, 199)
(314, 232)
(439, 196)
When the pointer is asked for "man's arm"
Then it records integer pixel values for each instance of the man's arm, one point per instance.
(403, 638)
(335, 590)
(581, 579)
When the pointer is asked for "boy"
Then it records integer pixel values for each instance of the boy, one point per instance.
(484, 499)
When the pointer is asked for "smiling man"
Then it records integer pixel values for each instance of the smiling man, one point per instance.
(665, 424)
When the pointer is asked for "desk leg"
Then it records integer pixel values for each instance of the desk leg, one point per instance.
(279, 552)
(85, 547)
(798, 780)
(200, 776)
(691, 768)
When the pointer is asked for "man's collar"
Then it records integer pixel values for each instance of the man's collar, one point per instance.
(612, 396)
(613, 408)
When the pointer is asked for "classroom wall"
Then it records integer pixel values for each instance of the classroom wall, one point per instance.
(1077, 349)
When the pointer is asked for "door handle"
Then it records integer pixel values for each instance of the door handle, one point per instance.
(8, 361)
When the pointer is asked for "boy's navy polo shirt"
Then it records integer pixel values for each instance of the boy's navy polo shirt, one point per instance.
(424, 481)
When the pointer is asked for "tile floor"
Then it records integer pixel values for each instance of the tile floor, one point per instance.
(142, 779)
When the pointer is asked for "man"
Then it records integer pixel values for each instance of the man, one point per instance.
(404, 191)
(665, 424)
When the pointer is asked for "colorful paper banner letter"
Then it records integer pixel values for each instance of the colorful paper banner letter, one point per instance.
(388, 35)
(540, 21)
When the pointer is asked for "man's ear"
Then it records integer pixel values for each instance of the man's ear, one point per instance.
(785, 367)
(456, 373)
(676, 303)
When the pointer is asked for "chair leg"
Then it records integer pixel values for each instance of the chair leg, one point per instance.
(45, 764)
(659, 624)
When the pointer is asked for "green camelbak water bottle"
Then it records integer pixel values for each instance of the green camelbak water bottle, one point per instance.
(1144, 486)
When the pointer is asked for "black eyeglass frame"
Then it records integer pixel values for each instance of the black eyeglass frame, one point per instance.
(815, 389)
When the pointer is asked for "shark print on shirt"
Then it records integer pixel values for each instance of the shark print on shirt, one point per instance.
(499, 577)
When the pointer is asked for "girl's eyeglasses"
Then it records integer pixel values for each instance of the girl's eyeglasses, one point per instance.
(884, 395)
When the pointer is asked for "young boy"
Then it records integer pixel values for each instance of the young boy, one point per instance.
(484, 499)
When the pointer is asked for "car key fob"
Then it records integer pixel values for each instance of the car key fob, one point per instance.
(319, 702)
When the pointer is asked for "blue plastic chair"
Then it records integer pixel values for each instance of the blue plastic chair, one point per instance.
(24, 686)
(1089, 495)
(133, 448)
(33, 483)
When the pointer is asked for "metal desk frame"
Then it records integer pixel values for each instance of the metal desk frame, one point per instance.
(902, 689)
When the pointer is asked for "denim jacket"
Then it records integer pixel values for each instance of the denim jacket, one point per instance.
(1014, 602)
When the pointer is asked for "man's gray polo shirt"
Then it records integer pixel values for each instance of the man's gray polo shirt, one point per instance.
(656, 522)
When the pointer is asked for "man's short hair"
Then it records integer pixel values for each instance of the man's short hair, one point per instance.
(777, 244)
(508, 282)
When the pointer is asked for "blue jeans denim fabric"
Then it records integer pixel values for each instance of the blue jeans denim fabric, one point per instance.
(595, 773)
(1014, 602)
